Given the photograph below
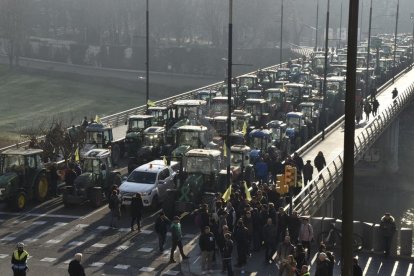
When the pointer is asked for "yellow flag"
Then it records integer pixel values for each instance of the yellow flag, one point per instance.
(224, 149)
(97, 119)
(77, 158)
(165, 161)
(227, 193)
(246, 190)
(244, 130)
(150, 103)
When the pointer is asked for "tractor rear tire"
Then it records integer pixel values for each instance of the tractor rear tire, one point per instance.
(41, 188)
(19, 201)
(95, 197)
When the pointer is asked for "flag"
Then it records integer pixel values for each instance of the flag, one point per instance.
(227, 193)
(150, 103)
(77, 155)
(98, 120)
(246, 190)
(244, 129)
(165, 160)
(224, 149)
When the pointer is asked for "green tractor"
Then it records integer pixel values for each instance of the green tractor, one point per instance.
(198, 182)
(96, 181)
(136, 126)
(23, 177)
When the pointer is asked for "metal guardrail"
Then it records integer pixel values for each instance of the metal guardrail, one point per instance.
(119, 118)
(313, 195)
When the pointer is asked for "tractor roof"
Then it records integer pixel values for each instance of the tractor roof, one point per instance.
(97, 154)
(223, 118)
(193, 128)
(294, 114)
(157, 108)
(300, 85)
(254, 101)
(203, 152)
(240, 148)
(22, 151)
(154, 130)
(260, 133)
(311, 104)
(141, 117)
(275, 124)
(240, 113)
(190, 102)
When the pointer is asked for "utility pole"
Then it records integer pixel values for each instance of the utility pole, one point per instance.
(340, 28)
(281, 35)
(360, 28)
(325, 72)
(147, 54)
(349, 140)
(229, 86)
(395, 40)
(412, 41)
(316, 26)
(367, 82)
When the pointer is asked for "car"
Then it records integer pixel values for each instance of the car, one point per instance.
(151, 180)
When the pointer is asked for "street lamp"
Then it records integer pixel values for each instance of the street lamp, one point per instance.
(325, 72)
(395, 40)
(229, 87)
(147, 54)
(340, 28)
(281, 34)
(316, 26)
(369, 51)
(412, 41)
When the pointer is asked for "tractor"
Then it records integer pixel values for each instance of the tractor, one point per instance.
(189, 137)
(136, 126)
(96, 182)
(311, 113)
(260, 140)
(281, 141)
(192, 110)
(198, 182)
(259, 109)
(241, 167)
(296, 130)
(23, 177)
(161, 115)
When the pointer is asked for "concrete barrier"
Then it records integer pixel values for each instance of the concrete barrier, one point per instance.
(406, 242)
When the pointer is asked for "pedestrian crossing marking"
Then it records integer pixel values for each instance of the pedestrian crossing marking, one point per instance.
(146, 269)
(39, 222)
(99, 245)
(8, 238)
(2, 256)
(145, 249)
(65, 234)
(394, 269)
(53, 241)
(122, 247)
(47, 259)
(76, 243)
(367, 266)
(97, 264)
(121, 266)
(30, 240)
(102, 227)
(147, 232)
(410, 266)
(67, 261)
(171, 272)
(56, 226)
(124, 229)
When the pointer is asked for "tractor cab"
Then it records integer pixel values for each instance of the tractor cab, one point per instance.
(260, 140)
(219, 106)
(136, 126)
(318, 64)
(295, 93)
(96, 163)
(98, 136)
(190, 137)
(161, 115)
(188, 109)
(295, 70)
(255, 94)
(266, 78)
(311, 114)
(240, 165)
(206, 95)
(281, 141)
(296, 129)
(249, 81)
(242, 120)
(224, 92)
(219, 125)
(23, 177)
(259, 110)
(283, 74)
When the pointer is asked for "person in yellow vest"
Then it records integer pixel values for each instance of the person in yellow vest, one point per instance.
(19, 260)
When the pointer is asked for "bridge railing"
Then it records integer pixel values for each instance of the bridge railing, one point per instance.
(313, 195)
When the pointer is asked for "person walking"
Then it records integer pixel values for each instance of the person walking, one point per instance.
(19, 260)
(322, 265)
(207, 243)
(241, 236)
(306, 235)
(375, 105)
(84, 122)
(298, 162)
(269, 236)
(75, 266)
(176, 239)
(387, 228)
(288, 267)
(319, 161)
(285, 249)
(227, 251)
(307, 173)
(136, 211)
(395, 94)
(367, 109)
(356, 269)
(115, 207)
(161, 228)
(304, 271)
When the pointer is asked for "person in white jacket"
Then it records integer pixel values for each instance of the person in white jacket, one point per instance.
(306, 235)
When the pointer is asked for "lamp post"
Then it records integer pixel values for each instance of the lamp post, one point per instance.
(229, 86)
(360, 28)
(281, 34)
(412, 41)
(147, 54)
(316, 26)
(395, 40)
(340, 28)
(369, 52)
(325, 72)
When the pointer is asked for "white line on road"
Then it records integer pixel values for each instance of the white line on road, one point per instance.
(410, 266)
(121, 266)
(367, 266)
(94, 212)
(64, 235)
(379, 268)
(394, 269)
(39, 215)
(47, 232)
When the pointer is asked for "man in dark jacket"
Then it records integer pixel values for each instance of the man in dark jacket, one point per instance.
(75, 267)
(176, 237)
(136, 211)
(294, 224)
(227, 251)
(322, 265)
(298, 162)
(319, 161)
(115, 207)
(241, 236)
(207, 244)
(387, 227)
(307, 172)
(269, 236)
(161, 228)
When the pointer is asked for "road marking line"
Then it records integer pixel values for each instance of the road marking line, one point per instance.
(379, 268)
(99, 245)
(146, 269)
(189, 236)
(67, 261)
(65, 234)
(39, 222)
(147, 232)
(394, 269)
(410, 266)
(39, 215)
(171, 272)
(76, 243)
(94, 212)
(8, 238)
(367, 266)
(2, 256)
(124, 229)
(121, 266)
(97, 264)
(122, 247)
(56, 226)
(195, 259)
(47, 259)
(146, 249)
(102, 227)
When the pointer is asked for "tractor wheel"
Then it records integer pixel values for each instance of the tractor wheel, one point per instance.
(168, 205)
(116, 154)
(20, 201)
(41, 188)
(95, 197)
